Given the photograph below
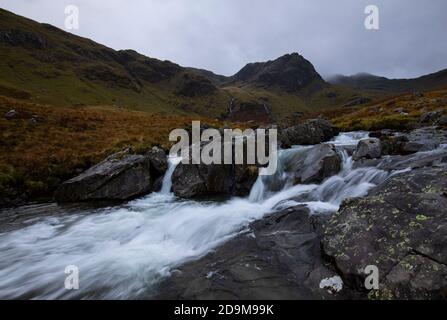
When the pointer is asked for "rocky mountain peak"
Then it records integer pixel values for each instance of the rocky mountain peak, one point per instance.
(290, 72)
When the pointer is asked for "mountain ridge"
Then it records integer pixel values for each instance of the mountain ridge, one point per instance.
(44, 64)
(367, 81)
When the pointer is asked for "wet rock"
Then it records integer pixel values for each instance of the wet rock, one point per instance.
(119, 177)
(422, 139)
(404, 162)
(193, 181)
(442, 121)
(159, 162)
(426, 139)
(189, 181)
(368, 148)
(315, 164)
(401, 228)
(311, 132)
(393, 145)
(244, 178)
(279, 257)
(200, 180)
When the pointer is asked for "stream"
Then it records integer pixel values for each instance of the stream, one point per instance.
(122, 251)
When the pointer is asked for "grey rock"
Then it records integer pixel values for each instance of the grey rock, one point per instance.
(193, 181)
(119, 177)
(368, 148)
(402, 162)
(442, 121)
(315, 164)
(426, 139)
(311, 132)
(278, 258)
(422, 139)
(159, 162)
(12, 114)
(430, 117)
(401, 227)
(199, 180)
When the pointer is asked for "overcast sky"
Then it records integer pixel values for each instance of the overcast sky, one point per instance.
(224, 35)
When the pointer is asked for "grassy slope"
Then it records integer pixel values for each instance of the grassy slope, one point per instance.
(399, 113)
(36, 157)
(57, 73)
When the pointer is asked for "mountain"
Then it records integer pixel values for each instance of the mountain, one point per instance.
(366, 81)
(48, 65)
(290, 72)
(43, 64)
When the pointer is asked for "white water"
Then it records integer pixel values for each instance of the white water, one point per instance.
(167, 183)
(121, 252)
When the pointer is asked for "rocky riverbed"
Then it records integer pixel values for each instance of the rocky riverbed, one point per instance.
(338, 203)
(400, 226)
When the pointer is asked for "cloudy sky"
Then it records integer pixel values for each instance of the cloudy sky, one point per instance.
(224, 35)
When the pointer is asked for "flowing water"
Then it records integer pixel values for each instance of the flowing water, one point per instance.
(122, 251)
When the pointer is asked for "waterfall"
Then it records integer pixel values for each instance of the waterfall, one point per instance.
(265, 186)
(167, 179)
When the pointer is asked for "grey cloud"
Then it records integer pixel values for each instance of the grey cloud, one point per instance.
(224, 35)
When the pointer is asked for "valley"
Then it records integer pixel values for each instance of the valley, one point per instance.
(86, 178)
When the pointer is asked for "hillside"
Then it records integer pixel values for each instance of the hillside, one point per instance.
(403, 112)
(47, 65)
(41, 63)
(365, 81)
(41, 146)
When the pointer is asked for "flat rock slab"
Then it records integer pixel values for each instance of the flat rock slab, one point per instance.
(279, 258)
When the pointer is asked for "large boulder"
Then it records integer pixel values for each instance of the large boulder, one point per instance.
(401, 228)
(370, 148)
(198, 180)
(278, 257)
(308, 133)
(119, 177)
(315, 164)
